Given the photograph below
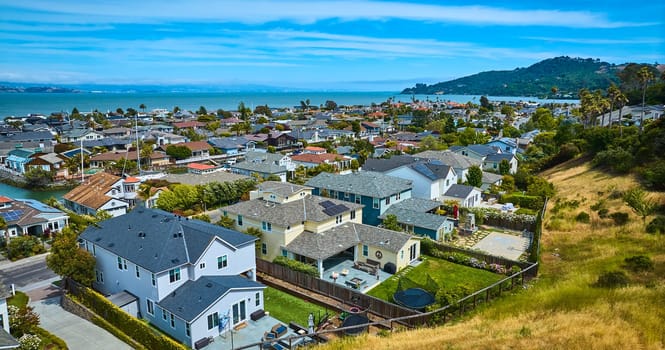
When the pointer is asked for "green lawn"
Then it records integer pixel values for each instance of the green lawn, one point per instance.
(286, 307)
(446, 274)
(19, 300)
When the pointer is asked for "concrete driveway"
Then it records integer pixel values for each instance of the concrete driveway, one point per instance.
(78, 333)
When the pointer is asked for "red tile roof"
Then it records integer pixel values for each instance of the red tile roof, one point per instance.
(198, 166)
(132, 179)
(4, 199)
(195, 145)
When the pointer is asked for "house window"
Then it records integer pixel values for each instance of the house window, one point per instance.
(188, 330)
(119, 263)
(333, 194)
(151, 307)
(239, 220)
(388, 200)
(365, 250)
(99, 276)
(2, 320)
(338, 219)
(264, 249)
(257, 297)
(213, 321)
(172, 321)
(346, 195)
(353, 214)
(222, 262)
(152, 280)
(202, 265)
(357, 198)
(266, 226)
(138, 272)
(174, 275)
(375, 203)
(397, 196)
(285, 253)
(401, 254)
(163, 314)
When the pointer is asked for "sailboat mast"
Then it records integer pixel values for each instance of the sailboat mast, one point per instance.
(138, 149)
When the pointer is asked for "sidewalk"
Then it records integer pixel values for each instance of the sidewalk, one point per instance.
(4, 262)
(78, 333)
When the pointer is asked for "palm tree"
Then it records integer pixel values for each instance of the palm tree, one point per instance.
(645, 76)
(142, 107)
(612, 92)
(621, 100)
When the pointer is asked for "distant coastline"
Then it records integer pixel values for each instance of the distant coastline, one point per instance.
(22, 104)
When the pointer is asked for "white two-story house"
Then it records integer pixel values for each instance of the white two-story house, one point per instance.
(191, 279)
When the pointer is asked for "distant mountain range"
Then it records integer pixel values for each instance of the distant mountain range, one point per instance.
(567, 74)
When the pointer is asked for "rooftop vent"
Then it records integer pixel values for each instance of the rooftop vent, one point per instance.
(154, 215)
(175, 261)
(141, 234)
(175, 235)
(209, 285)
(155, 255)
(180, 234)
(111, 244)
(98, 239)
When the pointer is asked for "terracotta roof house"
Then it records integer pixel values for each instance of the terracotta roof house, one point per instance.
(30, 217)
(310, 160)
(198, 168)
(190, 125)
(101, 191)
(305, 227)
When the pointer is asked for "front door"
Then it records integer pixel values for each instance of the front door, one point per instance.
(412, 252)
(239, 312)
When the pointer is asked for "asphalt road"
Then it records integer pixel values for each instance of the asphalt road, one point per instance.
(26, 273)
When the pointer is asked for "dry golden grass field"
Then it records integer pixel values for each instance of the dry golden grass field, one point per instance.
(562, 309)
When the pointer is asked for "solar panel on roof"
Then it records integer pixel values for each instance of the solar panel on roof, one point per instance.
(327, 204)
(421, 168)
(335, 210)
(12, 215)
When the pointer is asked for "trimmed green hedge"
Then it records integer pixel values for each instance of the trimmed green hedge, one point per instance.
(117, 333)
(296, 266)
(524, 201)
(44, 334)
(125, 323)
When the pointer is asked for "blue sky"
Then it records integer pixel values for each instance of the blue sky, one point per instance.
(365, 45)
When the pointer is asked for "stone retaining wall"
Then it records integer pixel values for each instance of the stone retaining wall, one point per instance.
(77, 309)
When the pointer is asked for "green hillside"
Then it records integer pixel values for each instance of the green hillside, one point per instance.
(567, 74)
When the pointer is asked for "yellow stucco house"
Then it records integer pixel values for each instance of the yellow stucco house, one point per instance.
(313, 229)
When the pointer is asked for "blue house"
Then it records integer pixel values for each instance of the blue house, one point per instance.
(505, 144)
(417, 216)
(17, 158)
(374, 190)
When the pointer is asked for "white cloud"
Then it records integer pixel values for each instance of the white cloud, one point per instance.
(599, 41)
(305, 12)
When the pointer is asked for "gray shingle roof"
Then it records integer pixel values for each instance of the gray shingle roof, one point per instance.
(166, 241)
(497, 157)
(366, 183)
(382, 165)
(307, 209)
(6, 340)
(282, 188)
(431, 171)
(415, 218)
(459, 191)
(418, 204)
(194, 297)
(267, 163)
(339, 238)
(453, 159)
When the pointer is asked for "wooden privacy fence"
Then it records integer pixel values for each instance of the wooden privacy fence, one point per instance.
(335, 291)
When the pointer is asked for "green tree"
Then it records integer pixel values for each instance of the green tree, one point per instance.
(265, 110)
(475, 176)
(508, 111)
(331, 105)
(226, 221)
(68, 260)
(244, 111)
(504, 167)
(543, 119)
(37, 177)
(641, 204)
(390, 223)
(202, 111)
(178, 152)
(645, 76)
(471, 137)
(142, 107)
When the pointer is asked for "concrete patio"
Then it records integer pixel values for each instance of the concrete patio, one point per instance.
(347, 265)
(504, 245)
(250, 334)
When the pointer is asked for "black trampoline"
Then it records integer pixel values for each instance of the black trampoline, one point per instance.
(355, 320)
(414, 298)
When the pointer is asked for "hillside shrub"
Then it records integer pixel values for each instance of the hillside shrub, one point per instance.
(24, 246)
(617, 159)
(612, 279)
(526, 211)
(523, 201)
(583, 217)
(639, 263)
(296, 266)
(657, 225)
(620, 218)
(603, 213)
(654, 174)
